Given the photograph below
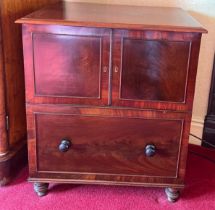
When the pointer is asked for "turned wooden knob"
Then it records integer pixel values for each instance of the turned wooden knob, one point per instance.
(150, 150)
(64, 145)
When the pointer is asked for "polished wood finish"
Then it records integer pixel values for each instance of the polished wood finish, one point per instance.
(164, 80)
(83, 53)
(3, 130)
(12, 162)
(106, 113)
(118, 148)
(115, 16)
(12, 95)
(81, 75)
(107, 104)
(61, 87)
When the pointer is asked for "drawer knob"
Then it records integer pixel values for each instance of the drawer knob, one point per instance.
(64, 145)
(150, 150)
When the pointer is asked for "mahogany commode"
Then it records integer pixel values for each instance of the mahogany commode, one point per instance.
(109, 94)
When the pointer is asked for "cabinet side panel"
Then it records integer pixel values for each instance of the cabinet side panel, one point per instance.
(3, 133)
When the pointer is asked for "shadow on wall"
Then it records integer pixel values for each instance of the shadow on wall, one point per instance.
(203, 74)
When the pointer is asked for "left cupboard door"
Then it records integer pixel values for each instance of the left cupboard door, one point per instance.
(66, 65)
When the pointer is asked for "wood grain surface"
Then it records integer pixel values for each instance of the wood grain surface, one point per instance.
(155, 69)
(12, 94)
(67, 64)
(3, 130)
(105, 82)
(115, 16)
(164, 79)
(13, 62)
(101, 135)
(160, 79)
(107, 145)
(80, 57)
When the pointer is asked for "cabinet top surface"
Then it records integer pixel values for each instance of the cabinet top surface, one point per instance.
(115, 16)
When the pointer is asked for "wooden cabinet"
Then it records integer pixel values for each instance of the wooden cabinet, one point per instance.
(109, 94)
(13, 135)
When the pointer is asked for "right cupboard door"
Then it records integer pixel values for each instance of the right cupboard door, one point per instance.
(154, 69)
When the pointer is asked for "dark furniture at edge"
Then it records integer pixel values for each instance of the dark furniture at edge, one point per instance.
(109, 94)
(13, 135)
(209, 124)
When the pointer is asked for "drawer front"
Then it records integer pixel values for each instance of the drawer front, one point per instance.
(65, 64)
(107, 145)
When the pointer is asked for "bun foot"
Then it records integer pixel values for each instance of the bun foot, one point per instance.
(172, 194)
(41, 188)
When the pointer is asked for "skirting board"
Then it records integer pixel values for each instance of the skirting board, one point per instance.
(196, 129)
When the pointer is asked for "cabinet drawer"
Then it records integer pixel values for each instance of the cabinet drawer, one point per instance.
(107, 145)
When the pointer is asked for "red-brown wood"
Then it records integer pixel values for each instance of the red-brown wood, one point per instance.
(13, 132)
(12, 162)
(115, 16)
(159, 76)
(67, 120)
(78, 56)
(154, 69)
(79, 75)
(3, 130)
(118, 147)
(137, 88)
(174, 88)
(12, 68)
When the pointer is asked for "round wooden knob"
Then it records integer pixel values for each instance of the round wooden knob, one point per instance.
(150, 150)
(64, 145)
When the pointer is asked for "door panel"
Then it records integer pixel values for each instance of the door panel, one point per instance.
(67, 64)
(151, 69)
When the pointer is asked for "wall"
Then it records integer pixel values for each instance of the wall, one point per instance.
(204, 12)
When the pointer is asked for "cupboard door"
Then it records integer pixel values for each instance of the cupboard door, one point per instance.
(67, 64)
(154, 69)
